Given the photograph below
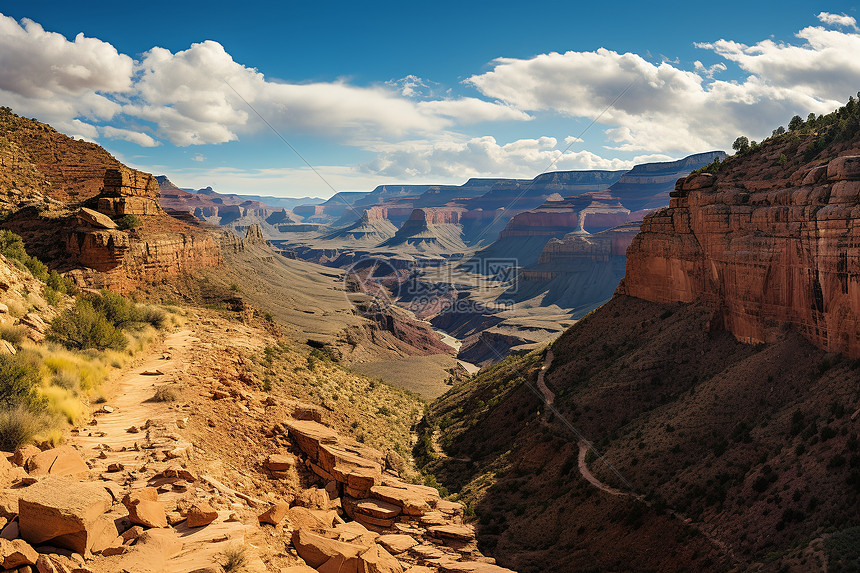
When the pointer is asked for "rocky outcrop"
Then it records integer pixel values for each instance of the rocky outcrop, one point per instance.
(62, 512)
(373, 228)
(578, 250)
(45, 161)
(227, 210)
(763, 254)
(416, 524)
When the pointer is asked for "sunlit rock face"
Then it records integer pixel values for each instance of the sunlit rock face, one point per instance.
(763, 253)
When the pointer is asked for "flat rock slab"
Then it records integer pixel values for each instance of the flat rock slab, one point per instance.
(376, 508)
(458, 532)
(397, 543)
(62, 511)
(413, 501)
(309, 435)
(60, 461)
(450, 566)
(317, 550)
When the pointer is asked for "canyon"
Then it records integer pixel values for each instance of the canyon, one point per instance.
(668, 358)
(710, 404)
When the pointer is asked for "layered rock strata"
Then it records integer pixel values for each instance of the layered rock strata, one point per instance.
(411, 521)
(763, 254)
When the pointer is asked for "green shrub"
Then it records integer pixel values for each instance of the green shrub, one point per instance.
(129, 222)
(18, 426)
(19, 379)
(52, 297)
(61, 284)
(115, 308)
(153, 315)
(83, 326)
(12, 247)
(124, 313)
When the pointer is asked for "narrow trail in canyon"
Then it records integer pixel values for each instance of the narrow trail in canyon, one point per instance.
(132, 432)
(584, 446)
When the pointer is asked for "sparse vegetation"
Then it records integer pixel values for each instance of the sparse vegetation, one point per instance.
(96, 321)
(164, 394)
(14, 334)
(19, 381)
(12, 247)
(235, 558)
(82, 326)
(129, 222)
(18, 427)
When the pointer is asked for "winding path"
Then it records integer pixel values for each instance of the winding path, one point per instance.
(548, 395)
(584, 445)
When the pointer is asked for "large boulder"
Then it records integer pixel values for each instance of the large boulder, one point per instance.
(378, 560)
(144, 508)
(95, 219)
(845, 167)
(9, 473)
(201, 514)
(59, 461)
(275, 514)
(415, 500)
(309, 435)
(24, 453)
(62, 512)
(397, 543)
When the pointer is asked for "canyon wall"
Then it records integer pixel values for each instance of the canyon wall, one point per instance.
(763, 254)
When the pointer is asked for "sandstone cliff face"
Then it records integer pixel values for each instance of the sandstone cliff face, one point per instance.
(764, 254)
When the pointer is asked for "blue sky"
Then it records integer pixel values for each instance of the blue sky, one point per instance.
(386, 92)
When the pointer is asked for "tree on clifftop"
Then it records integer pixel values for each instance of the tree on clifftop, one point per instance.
(795, 123)
(741, 144)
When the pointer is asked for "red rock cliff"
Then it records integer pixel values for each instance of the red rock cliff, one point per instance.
(763, 253)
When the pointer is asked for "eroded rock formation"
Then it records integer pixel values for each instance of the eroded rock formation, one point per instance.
(763, 254)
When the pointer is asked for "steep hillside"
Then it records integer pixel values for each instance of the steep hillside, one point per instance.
(72, 169)
(82, 212)
(714, 420)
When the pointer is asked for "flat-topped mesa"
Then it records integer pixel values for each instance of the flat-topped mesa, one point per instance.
(436, 216)
(592, 211)
(763, 254)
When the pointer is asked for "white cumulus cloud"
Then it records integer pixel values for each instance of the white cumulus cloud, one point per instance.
(45, 75)
(137, 137)
(663, 108)
(837, 20)
(201, 95)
